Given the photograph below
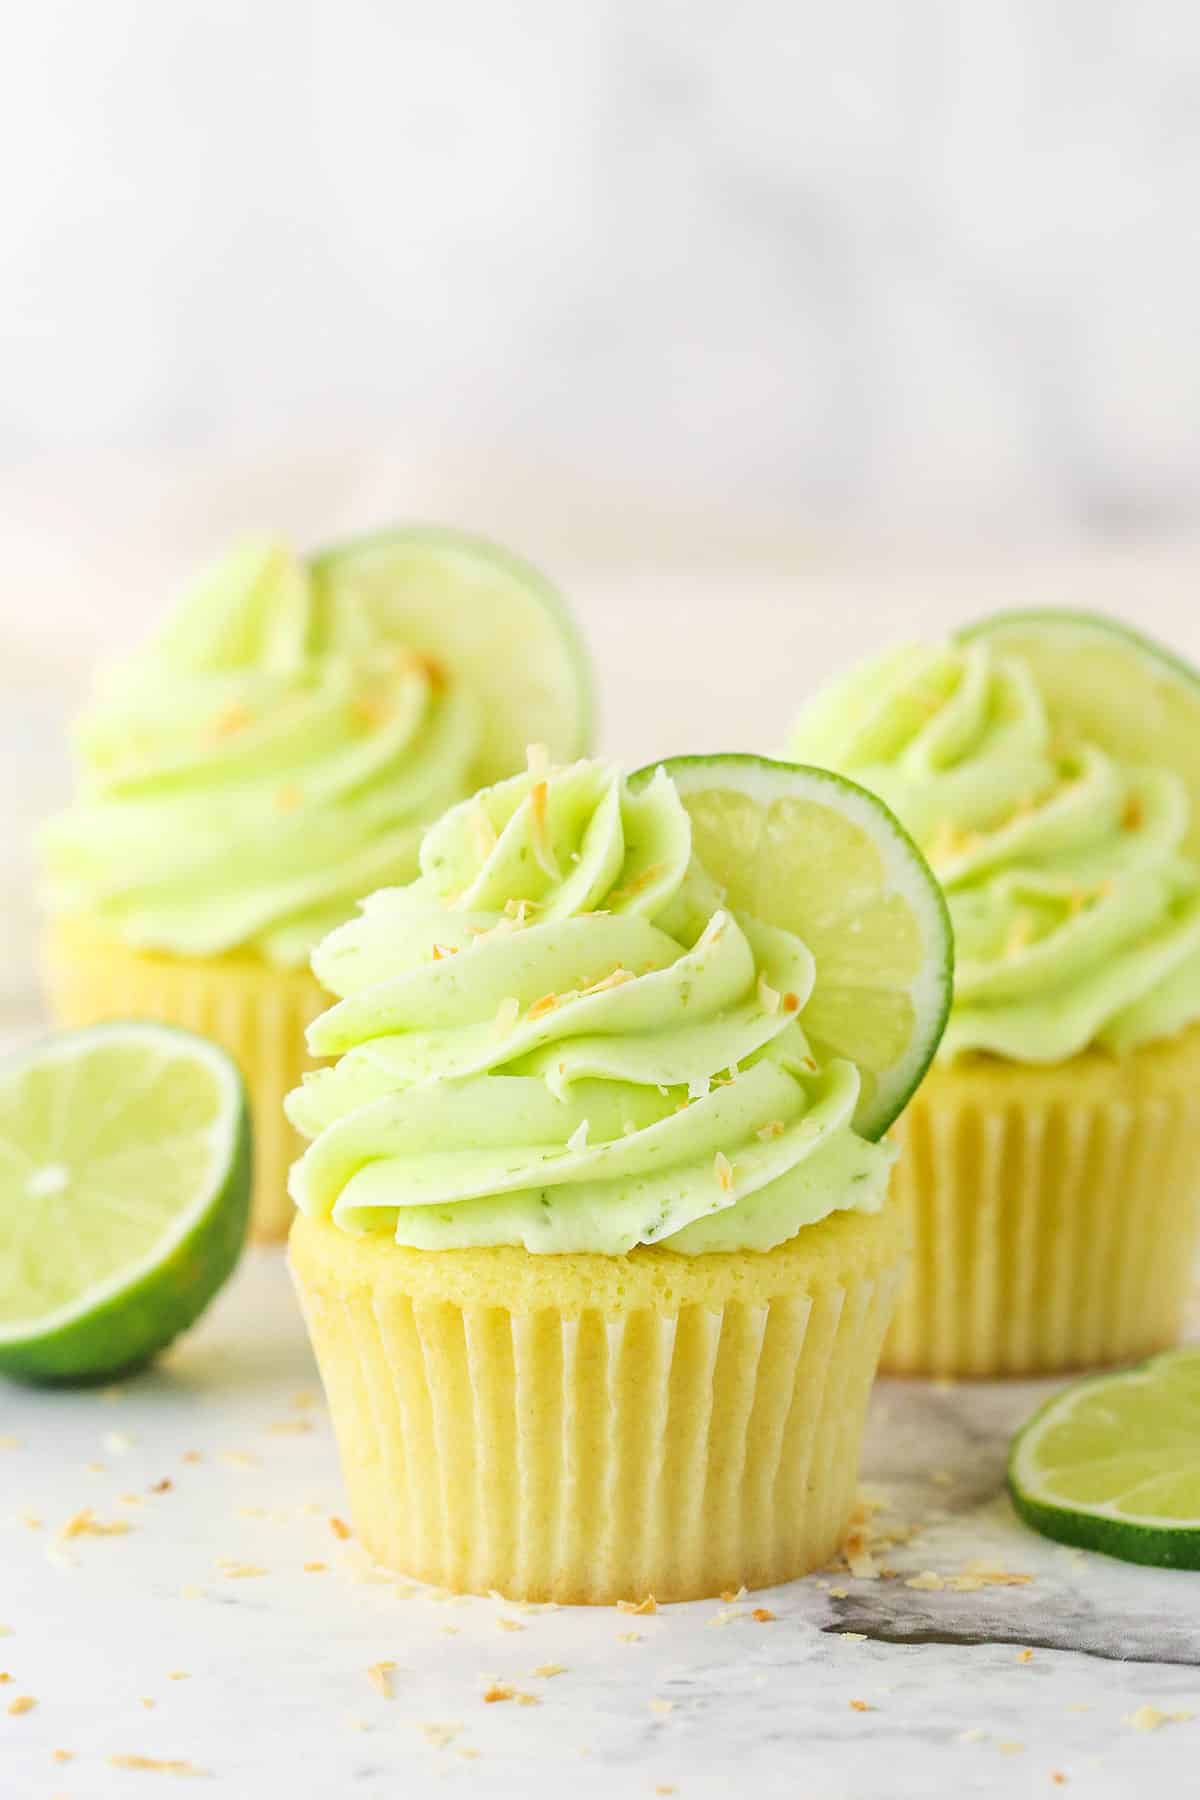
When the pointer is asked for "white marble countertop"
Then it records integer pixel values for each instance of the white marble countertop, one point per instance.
(998, 1690)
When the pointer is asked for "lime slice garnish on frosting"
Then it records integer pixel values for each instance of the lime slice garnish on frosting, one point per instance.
(487, 619)
(124, 1195)
(1113, 1463)
(813, 853)
(1104, 682)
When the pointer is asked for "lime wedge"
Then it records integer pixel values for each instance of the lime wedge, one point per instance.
(124, 1195)
(1103, 681)
(812, 852)
(1113, 1463)
(484, 616)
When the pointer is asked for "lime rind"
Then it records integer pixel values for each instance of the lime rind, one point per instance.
(445, 545)
(1105, 1526)
(907, 874)
(121, 1321)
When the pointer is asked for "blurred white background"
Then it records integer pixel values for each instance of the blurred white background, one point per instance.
(767, 329)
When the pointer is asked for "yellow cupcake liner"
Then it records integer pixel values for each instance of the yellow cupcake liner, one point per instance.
(255, 1012)
(1054, 1212)
(588, 1429)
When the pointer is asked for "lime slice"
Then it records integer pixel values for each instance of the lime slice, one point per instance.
(1103, 681)
(812, 852)
(484, 616)
(124, 1195)
(1113, 1463)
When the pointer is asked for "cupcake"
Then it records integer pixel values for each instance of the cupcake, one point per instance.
(272, 755)
(1050, 1166)
(592, 1238)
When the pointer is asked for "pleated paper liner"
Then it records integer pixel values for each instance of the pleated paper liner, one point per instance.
(591, 1429)
(257, 1013)
(1054, 1211)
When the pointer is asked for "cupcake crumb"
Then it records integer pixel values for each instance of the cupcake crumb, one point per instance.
(648, 1605)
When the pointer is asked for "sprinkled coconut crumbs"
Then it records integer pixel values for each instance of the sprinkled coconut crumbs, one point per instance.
(509, 1624)
(723, 1171)
(546, 1670)
(238, 1459)
(662, 1706)
(9, 1443)
(665, 1787)
(1024, 1656)
(538, 761)
(178, 1675)
(928, 1581)
(853, 1637)
(22, 1704)
(730, 1595)
(339, 1527)
(290, 1427)
(155, 1765)
(540, 1007)
(231, 719)
(379, 1674)
(791, 1002)
(629, 1637)
(483, 832)
(579, 1137)
(527, 1700)
(648, 1605)
(498, 1690)
(315, 1568)
(62, 1756)
(31, 1521)
(615, 978)
(192, 1456)
(772, 1129)
(1010, 1747)
(763, 1615)
(162, 1487)
(240, 1571)
(148, 1704)
(861, 1706)
(1058, 1778)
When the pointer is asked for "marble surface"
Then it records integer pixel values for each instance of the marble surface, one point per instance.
(261, 1679)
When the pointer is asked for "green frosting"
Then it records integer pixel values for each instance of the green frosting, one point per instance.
(264, 762)
(1076, 915)
(558, 1037)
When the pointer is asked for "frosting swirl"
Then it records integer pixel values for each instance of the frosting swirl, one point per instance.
(558, 1037)
(1076, 913)
(265, 761)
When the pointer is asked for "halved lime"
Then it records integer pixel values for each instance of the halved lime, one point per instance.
(1113, 1463)
(485, 617)
(812, 852)
(1103, 681)
(124, 1195)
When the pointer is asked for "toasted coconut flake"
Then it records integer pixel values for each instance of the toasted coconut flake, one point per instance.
(859, 1560)
(648, 1605)
(730, 1596)
(772, 1129)
(85, 1524)
(539, 798)
(527, 1700)
(290, 1427)
(439, 1735)
(723, 1170)
(234, 718)
(629, 1637)
(483, 832)
(861, 1706)
(497, 1691)
(791, 1002)
(853, 1637)
(178, 1675)
(507, 1014)
(1146, 1718)
(315, 1568)
(662, 1706)
(240, 1571)
(1134, 815)
(155, 1765)
(927, 1582)
(379, 1674)
(762, 1615)
(505, 1624)
(768, 997)
(615, 978)
(546, 1670)
(442, 951)
(1024, 1656)
(22, 1704)
(578, 1140)
(62, 1756)
(541, 1007)
(639, 883)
